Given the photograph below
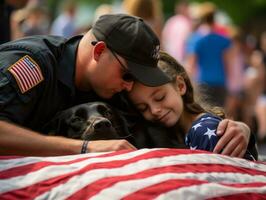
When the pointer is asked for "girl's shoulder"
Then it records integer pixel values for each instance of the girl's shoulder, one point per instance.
(207, 119)
(209, 116)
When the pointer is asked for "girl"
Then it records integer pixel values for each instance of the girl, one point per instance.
(173, 105)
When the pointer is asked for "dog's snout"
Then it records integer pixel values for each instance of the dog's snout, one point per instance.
(102, 124)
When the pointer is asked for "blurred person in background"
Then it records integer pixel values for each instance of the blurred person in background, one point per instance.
(31, 20)
(234, 104)
(176, 31)
(209, 57)
(253, 87)
(64, 24)
(6, 9)
(261, 102)
(102, 9)
(149, 10)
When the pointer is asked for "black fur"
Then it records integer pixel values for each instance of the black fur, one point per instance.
(90, 121)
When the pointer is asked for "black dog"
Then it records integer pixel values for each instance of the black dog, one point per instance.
(100, 121)
(90, 121)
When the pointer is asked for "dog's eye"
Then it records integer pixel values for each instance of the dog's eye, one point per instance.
(107, 114)
(104, 111)
(76, 119)
(82, 113)
(101, 108)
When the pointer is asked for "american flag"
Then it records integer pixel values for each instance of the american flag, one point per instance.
(202, 134)
(27, 73)
(141, 174)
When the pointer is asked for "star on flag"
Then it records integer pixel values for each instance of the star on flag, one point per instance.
(196, 126)
(210, 133)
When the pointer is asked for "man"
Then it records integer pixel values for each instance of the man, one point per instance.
(42, 75)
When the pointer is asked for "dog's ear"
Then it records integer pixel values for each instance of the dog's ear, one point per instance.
(121, 122)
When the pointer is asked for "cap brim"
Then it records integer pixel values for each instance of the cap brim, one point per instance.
(149, 76)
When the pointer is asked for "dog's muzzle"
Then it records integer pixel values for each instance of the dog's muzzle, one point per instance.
(99, 127)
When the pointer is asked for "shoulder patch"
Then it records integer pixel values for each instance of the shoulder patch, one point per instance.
(27, 73)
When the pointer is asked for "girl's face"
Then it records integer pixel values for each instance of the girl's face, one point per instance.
(161, 104)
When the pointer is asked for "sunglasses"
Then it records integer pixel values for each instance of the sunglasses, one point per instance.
(127, 76)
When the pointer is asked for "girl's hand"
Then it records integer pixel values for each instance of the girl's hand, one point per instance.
(234, 138)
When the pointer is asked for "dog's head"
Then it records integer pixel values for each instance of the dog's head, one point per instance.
(92, 121)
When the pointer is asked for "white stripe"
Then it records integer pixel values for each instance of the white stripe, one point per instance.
(128, 187)
(17, 162)
(206, 191)
(54, 171)
(91, 176)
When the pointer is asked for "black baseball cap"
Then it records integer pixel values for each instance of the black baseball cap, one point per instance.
(133, 39)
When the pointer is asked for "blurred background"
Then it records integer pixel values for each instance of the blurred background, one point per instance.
(236, 80)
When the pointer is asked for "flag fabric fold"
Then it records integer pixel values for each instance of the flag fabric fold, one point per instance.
(141, 174)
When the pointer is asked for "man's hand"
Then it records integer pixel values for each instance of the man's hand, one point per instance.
(234, 138)
(109, 145)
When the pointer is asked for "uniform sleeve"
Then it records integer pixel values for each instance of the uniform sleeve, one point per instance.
(19, 85)
(202, 136)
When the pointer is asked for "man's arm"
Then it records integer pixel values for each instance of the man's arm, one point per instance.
(235, 139)
(15, 140)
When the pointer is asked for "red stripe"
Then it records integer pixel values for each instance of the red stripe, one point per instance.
(33, 70)
(99, 185)
(20, 78)
(169, 185)
(43, 186)
(240, 185)
(242, 196)
(163, 187)
(10, 157)
(94, 188)
(25, 78)
(18, 171)
(29, 74)
(25, 169)
(24, 71)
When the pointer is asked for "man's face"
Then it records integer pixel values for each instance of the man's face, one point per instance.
(108, 77)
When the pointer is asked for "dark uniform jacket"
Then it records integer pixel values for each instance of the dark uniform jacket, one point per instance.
(37, 79)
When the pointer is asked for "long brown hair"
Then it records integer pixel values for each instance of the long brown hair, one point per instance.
(173, 69)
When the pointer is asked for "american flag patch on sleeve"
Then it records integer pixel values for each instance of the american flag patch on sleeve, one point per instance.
(27, 73)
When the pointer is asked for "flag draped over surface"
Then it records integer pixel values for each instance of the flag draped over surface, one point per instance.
(142, 174)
